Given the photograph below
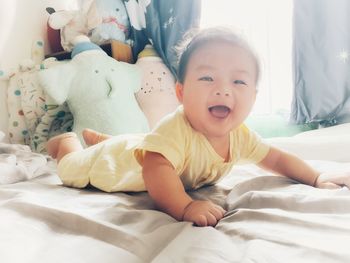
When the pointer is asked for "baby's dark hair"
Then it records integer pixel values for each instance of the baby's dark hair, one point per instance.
(196, 38)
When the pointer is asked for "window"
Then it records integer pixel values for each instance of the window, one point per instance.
(267, 26)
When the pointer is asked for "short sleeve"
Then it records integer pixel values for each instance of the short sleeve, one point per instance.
(167, 139)
(252, 148)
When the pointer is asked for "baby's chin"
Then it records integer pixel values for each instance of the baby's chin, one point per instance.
(217, 132)
(214, 126)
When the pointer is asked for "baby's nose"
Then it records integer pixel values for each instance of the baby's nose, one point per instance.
(218, 93)
(223, 92)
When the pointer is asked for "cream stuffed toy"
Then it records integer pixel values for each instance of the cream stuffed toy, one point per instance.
(112, 21)
(72, 23)
(101, 20)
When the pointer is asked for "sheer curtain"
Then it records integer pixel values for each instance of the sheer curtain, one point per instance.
(267, 25)
(321, 62)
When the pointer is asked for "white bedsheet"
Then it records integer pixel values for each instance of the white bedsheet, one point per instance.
(2, 136)
(330, 144)
(19, 163)
(269, 219)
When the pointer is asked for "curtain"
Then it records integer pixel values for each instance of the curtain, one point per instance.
(321, 54)
(161, 23)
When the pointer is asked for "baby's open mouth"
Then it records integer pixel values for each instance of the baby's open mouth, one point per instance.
(219, 111)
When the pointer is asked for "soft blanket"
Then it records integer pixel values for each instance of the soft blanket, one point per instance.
(270, 219)
(19, 163)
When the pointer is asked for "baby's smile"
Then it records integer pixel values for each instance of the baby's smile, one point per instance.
(219, 111)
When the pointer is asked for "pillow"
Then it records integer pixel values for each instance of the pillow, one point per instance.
(32, 116)
(17, 127)
(157, 94)
(332, 144)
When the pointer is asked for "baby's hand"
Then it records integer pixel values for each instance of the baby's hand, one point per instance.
(333, 180)
(203, 213)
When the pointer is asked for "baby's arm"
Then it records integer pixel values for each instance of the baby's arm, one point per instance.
(290, 166)
(168, 192)
(295, 168)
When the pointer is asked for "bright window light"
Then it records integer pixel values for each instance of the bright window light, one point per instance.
(267, 26)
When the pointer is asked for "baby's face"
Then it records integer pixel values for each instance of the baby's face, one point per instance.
(219, 89)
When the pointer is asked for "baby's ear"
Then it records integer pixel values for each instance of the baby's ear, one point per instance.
(179, 91)
(56, 81)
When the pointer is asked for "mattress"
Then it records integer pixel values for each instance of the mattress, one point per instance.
(269, 218)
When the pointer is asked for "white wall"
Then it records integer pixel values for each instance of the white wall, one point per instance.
(22, 22)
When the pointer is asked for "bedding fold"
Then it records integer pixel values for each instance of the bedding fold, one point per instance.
(19, 163)
(270, 219)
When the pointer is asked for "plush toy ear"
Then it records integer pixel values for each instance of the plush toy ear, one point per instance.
(56, 81)
(93, 17)
(59, 19)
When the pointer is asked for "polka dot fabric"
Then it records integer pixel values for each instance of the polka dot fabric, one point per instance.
(17, 127)
(33, 116)
(156, 96)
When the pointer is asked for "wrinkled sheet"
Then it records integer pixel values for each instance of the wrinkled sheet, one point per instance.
(19, 163)
(270, 219)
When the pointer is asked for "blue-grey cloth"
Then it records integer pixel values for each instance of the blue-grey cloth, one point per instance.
(84, 46)
(166, 23)
(321, 53)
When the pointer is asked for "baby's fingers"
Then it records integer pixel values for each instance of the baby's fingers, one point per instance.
(205, 220)
(201, 221)
(218, 212)
(329, 185)
(333, 180)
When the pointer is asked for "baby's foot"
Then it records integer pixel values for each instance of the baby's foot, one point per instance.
(53, 144)
(91, 137)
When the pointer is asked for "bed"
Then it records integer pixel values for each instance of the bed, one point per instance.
(270, 218)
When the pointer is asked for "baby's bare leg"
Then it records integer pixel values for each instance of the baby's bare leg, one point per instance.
(92, 137)
(62, 144)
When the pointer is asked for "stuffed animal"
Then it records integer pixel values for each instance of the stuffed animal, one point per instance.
(72, 23)
(157, 94)
(22, 96)
(33, 117)
(99, 90)
(112, 21)
(101, 20)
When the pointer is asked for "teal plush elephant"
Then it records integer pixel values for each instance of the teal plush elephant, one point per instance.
(99, 90)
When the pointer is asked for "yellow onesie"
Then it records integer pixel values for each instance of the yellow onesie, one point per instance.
(115, 164)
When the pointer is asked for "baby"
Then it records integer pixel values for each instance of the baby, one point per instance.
(196, 145)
